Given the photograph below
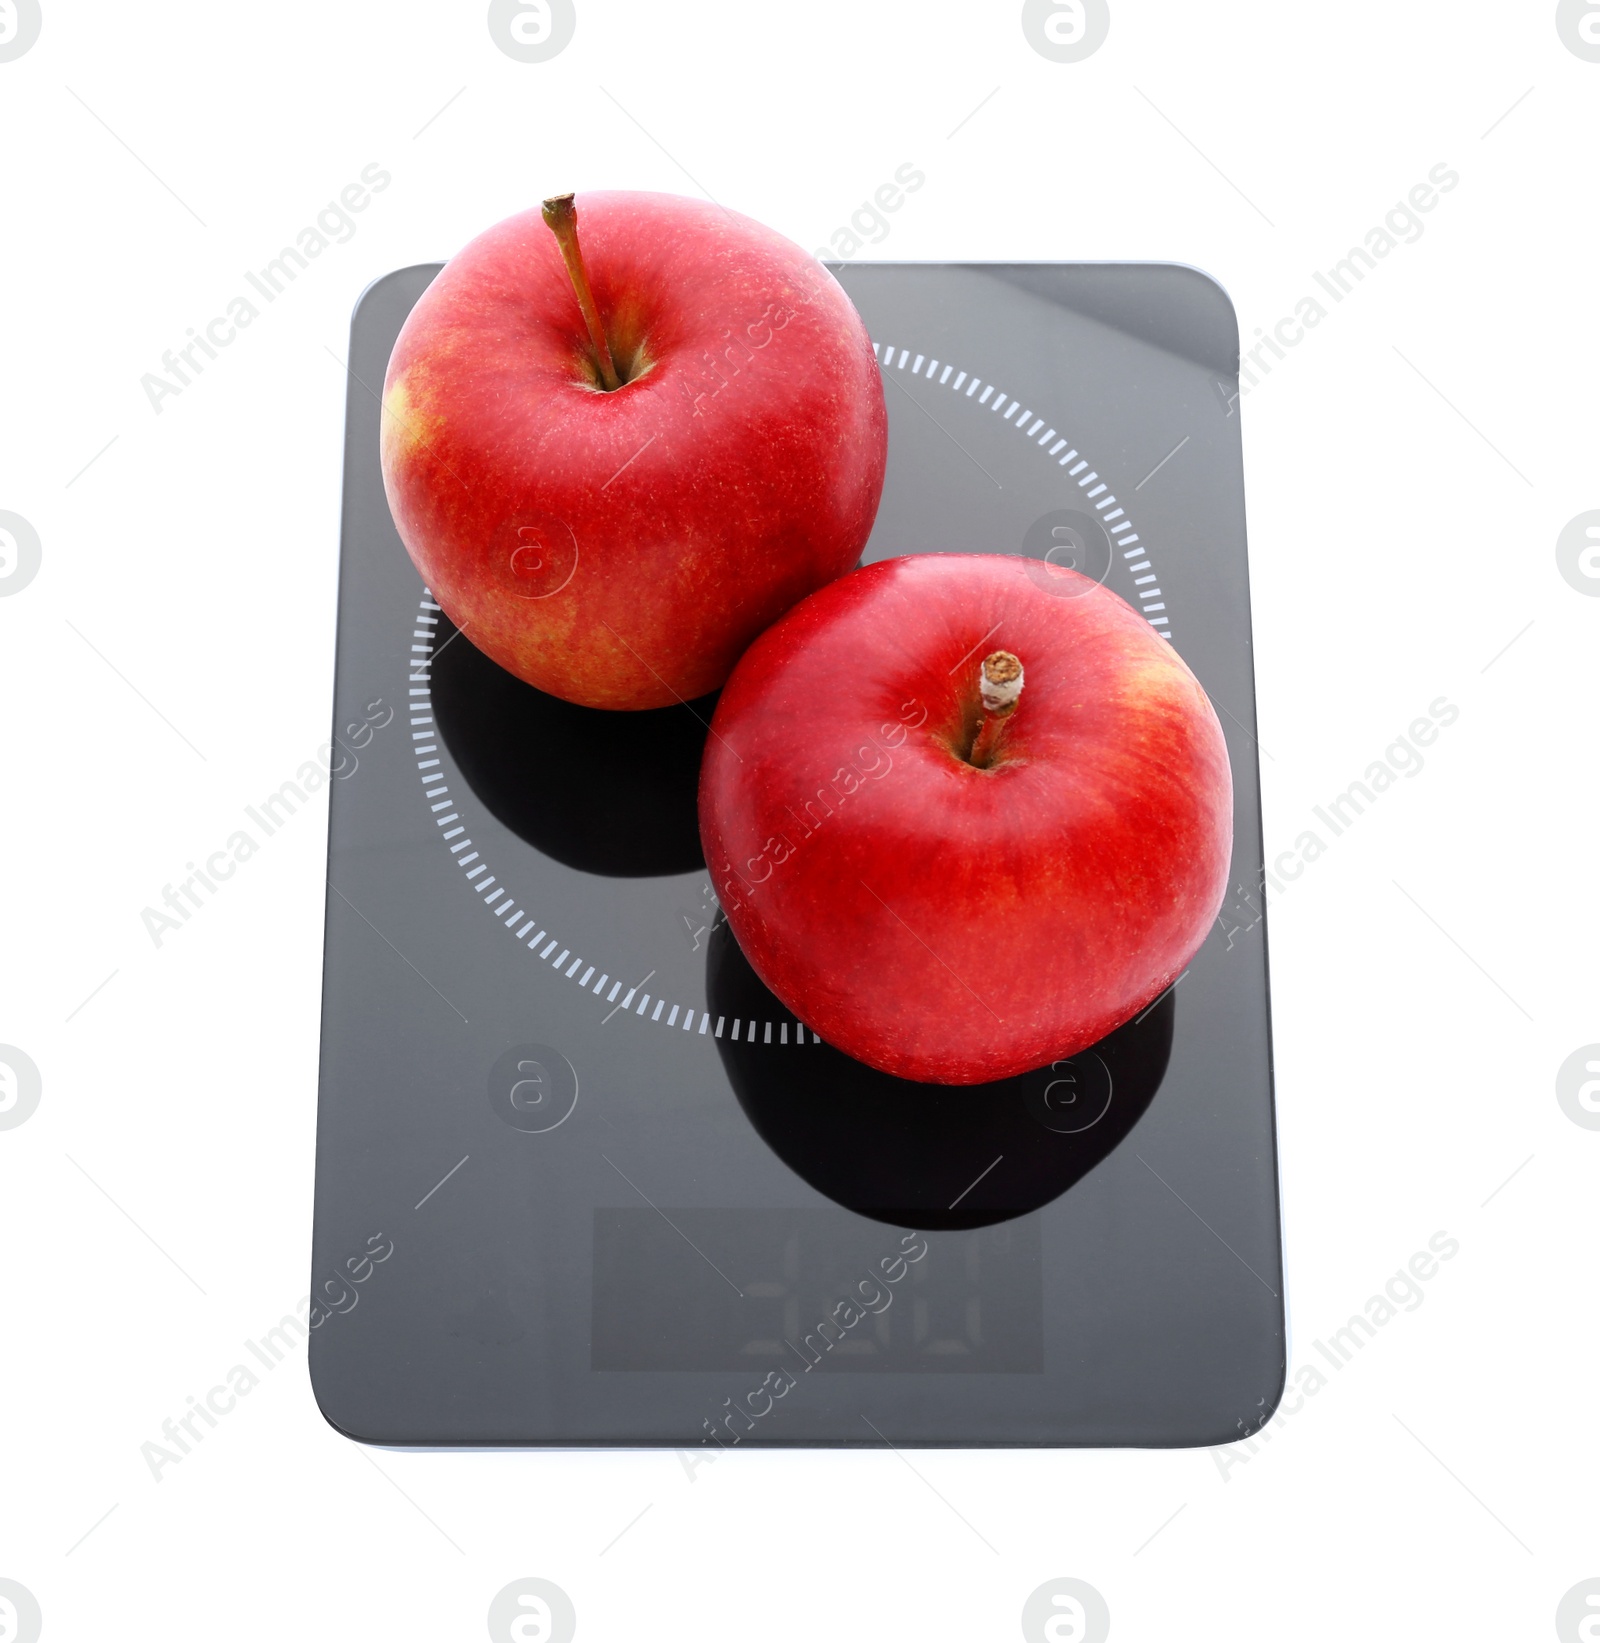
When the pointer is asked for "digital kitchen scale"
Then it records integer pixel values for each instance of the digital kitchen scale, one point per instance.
(582, 1180)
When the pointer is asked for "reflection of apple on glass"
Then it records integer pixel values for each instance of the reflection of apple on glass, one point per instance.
(615, 461)
(911, 1154)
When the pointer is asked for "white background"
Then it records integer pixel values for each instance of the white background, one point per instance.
(1409, 468)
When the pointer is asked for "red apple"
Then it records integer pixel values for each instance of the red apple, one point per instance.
(945, 892)
(621, 546)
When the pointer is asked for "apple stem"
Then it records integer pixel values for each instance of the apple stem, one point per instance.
(561, 217)
(999, 689)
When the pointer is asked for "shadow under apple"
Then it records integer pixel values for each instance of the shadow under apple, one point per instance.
(934, 1157)
(608, 793)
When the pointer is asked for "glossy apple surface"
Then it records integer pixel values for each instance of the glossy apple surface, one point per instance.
(944, 922)
(621, 548)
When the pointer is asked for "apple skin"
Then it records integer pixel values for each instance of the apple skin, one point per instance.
(622, 549)
(937, 921)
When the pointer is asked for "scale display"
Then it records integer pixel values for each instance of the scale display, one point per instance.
(582, 1180)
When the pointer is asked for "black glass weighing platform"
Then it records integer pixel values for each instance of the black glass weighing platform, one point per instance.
(582, 1180)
